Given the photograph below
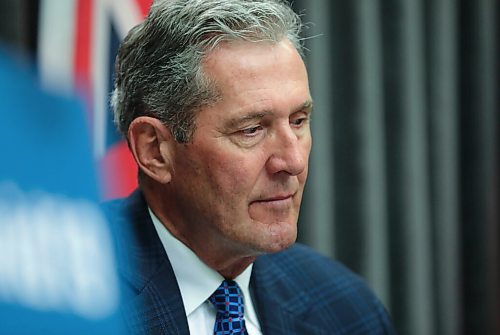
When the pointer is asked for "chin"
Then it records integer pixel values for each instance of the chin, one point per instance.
(280, 242)
(278, 247)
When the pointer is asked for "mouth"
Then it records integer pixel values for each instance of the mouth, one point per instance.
(281, 200)
(275, 208)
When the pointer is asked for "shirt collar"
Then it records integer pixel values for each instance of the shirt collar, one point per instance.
(196, 280)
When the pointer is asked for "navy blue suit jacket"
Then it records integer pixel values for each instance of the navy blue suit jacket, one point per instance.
(296, 291)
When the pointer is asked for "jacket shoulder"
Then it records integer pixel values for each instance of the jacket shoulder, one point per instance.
(327, 292)
(306, 266)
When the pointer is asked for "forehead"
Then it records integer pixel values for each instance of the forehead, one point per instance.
(245, 72)
(233, 57)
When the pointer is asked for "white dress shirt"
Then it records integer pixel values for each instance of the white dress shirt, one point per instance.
(197, 282)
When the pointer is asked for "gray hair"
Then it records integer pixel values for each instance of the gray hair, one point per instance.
(158, 69)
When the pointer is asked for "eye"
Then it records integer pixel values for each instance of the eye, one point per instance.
(299, 121)
(252, 131)
(250, 136)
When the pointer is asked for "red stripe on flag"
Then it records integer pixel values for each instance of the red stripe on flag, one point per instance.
(144, 6)
(83, 53)
(83, 41)
(119, 171)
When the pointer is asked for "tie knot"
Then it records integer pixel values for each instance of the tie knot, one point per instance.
(228, 300)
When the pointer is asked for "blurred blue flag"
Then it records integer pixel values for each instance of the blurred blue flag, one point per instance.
(57, 266)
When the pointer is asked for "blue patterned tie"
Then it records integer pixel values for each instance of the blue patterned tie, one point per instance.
(230, 310)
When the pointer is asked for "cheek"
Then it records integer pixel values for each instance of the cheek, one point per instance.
(233, 176)
(235, 171)
(306, 153)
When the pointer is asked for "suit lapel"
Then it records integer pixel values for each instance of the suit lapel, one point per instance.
(282, 307)
(155, 304)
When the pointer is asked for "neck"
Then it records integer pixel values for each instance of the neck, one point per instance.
(228, 261)
(235, 269)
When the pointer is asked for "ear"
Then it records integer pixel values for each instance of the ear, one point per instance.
(149, 143)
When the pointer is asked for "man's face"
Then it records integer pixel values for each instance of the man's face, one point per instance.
(238, 184)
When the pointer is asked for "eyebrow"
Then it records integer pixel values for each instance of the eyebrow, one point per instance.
(307, 106)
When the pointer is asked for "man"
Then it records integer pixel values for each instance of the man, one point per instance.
(213, 98)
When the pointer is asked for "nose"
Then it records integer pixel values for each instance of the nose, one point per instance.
(289, 153)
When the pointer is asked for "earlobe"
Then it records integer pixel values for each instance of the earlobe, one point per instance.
(148, 140)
